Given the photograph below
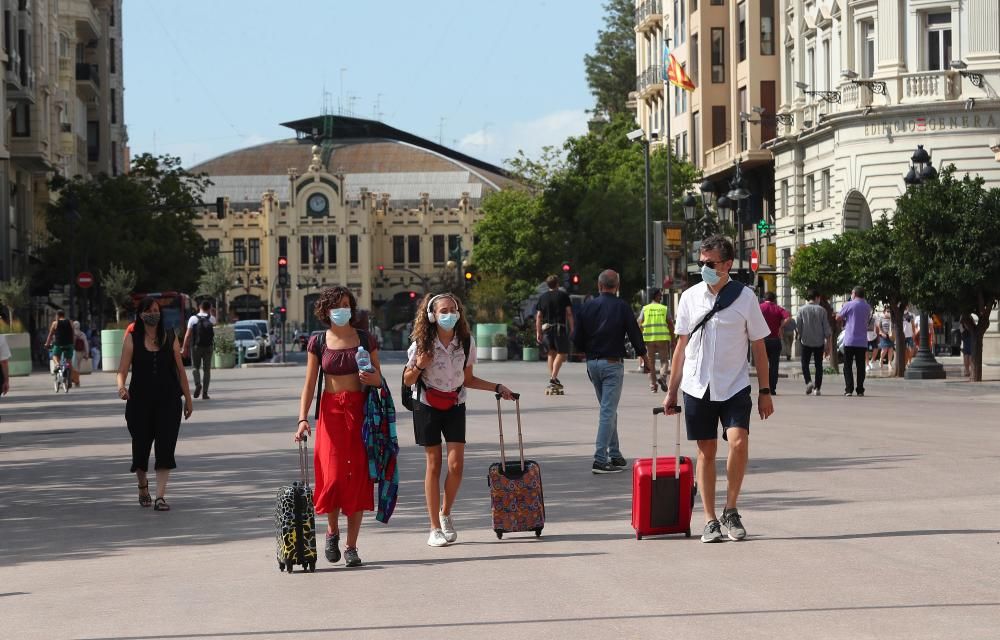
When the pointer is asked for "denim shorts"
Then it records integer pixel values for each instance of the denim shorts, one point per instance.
(702, 416)
(885, 343)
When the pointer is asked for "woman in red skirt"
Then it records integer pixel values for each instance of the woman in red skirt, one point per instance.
(341, 460)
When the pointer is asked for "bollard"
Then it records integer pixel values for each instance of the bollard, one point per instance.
(241, 356)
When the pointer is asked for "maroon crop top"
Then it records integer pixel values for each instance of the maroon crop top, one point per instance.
(339, 362)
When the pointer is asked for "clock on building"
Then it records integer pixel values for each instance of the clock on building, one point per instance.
(318, 204)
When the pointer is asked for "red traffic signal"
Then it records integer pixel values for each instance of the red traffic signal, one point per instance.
(381, 268)
(575, 279)
(282, 261)
(566, 267)
(413, 295)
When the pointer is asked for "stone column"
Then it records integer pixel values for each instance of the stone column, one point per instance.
(891, 16)
(983, 43)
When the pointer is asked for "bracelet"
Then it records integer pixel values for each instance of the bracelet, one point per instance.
(419, 368)
(301, 421)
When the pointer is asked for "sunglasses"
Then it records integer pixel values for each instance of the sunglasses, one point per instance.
(710, 263)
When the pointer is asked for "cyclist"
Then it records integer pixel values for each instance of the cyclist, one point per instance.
(61, 339)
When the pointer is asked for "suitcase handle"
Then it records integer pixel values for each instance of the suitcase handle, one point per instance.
(304, 460)
(677, 455)
(520, 439)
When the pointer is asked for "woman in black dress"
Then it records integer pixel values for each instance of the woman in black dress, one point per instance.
(153, 403)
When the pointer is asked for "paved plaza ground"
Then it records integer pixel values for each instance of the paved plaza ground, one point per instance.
(872, 517)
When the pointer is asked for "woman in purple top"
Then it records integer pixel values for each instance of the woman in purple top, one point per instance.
(854, 317)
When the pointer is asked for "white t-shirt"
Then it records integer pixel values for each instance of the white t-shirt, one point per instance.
(716, 356)
(908, 322)
(445, 373)
(193, 320)
(4, 348)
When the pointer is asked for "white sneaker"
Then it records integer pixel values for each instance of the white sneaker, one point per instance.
(809, 389)
(818, 392)
(448, 528)
(437, 539)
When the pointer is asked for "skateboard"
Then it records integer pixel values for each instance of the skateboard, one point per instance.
(554, 389)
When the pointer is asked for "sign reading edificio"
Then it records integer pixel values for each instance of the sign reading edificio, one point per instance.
(921, 124)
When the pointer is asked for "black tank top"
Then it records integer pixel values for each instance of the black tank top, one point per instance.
(153, 372)
(64, 333)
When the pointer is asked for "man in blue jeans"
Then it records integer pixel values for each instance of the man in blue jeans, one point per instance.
(600, 332)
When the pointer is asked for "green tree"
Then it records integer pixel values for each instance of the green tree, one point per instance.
(822, 267)
(13, 295)
(611, 67)
(949, 255)
(117, 283)
(143, 220)
(217, 275)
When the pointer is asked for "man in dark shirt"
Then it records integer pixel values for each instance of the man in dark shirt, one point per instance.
(601, 328)
(553, 326)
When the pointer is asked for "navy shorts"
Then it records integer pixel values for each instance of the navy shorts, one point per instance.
(702, 416)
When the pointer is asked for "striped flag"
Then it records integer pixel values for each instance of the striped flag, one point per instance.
(674, 73)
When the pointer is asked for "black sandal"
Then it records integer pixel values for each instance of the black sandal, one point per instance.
(161, 505)
(145, 499)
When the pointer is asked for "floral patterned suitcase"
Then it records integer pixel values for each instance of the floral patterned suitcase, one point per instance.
(515, 487)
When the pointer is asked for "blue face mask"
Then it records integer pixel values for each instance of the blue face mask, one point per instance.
(710, 276)
(340, 316)
(447, 320)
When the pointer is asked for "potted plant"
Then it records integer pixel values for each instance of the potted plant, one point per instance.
(117, 283)
(224, 348)
(488, 298)
(14, 295)
(529, 345)
(499, 349)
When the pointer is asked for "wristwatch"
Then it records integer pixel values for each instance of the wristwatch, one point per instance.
(764, 391)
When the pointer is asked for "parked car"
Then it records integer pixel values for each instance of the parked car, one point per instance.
(265, 332)
(254, 328)
(245, 338)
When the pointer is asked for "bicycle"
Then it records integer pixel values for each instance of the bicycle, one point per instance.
(61, 372)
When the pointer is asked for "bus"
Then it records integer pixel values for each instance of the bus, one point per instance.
(175, 307)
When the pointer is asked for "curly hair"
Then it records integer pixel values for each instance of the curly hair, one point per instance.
(330, 299)
(424, 332)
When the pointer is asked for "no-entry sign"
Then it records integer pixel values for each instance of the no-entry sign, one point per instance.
(754, 260)
(85, 279)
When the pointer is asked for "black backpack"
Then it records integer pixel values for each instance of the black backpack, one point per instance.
(406, 394)
(204, 332)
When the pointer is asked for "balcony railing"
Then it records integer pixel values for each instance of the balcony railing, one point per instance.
(722, 154)
(88, 73)
(928, 86)
(651, 76)
(647, 10)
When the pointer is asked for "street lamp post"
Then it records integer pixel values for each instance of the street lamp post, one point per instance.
(639, 136)
(923, 366)
(737, 194)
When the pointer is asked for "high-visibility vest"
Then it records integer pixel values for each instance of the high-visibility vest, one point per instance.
(654, 323)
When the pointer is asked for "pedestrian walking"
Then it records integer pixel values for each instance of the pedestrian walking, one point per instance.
(871, 333)
(816, 338)
(717, 321)
(909, 331)
(4, 367)
(81, 352)
(601, 329)
(657, 332)
(967, 334)
(152, 398)
(439, 366)
(886, 341)
(199, 342)
(343, 484)
(776, 317)
(553, 327)
(854, 317)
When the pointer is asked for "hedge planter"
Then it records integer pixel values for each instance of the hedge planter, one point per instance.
(223, 360)
(529, 354)
(484, 339)
(111, 348)
(20, 354)
(498, 353)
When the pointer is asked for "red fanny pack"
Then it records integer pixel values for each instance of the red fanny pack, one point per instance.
(440, 400)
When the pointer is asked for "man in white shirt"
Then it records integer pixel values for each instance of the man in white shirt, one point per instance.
(710, 367)
(199, 340)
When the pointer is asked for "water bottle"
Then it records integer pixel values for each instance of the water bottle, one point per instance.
(364, 360)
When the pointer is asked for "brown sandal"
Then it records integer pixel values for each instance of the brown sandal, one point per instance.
(161, 505)
(145, 499)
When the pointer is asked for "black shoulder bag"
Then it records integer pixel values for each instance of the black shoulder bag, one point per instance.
(729, 294)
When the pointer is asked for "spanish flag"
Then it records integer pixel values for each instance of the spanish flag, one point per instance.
(674, 73)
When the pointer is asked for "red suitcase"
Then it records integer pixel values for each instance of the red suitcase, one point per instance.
(663, 493)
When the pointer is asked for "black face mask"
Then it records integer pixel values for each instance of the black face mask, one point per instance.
(151, 319)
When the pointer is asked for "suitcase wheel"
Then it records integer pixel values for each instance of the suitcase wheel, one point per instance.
(499, 534)
(687, 534)
(281, 565)
(538, 532)
(638, 536)
(290, 567)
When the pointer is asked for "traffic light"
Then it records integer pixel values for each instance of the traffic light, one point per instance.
(575, 280)
(413, 295)
(283, 280)
(469, 274)
(220, 207)
(566, 268)
(280, 313)
(381, 271)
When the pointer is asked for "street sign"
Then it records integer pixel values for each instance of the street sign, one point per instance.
(85, 280)
(754, 260)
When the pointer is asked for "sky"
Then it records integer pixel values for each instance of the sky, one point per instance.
(204, 77)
